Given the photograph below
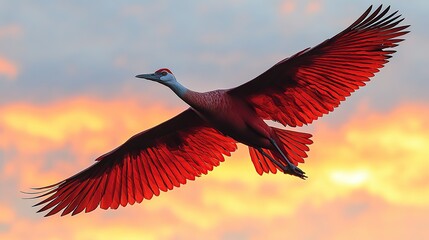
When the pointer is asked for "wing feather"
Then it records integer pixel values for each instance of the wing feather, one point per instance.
(311, 83)
(155, 160)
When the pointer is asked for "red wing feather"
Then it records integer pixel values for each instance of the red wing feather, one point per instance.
(302, 88)
(155, 160)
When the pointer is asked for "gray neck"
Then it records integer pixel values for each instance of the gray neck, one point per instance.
(177, 88)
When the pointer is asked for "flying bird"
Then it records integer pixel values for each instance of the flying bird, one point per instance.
(294, 92)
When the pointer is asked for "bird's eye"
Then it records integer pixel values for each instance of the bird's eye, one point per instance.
(163, 73)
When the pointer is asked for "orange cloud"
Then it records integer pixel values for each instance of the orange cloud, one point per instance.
(7, 215)
(8, 69)
(384, 154)
(364, 177)
(59, 122)
(78, 126)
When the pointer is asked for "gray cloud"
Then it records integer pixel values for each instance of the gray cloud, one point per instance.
(87, 48)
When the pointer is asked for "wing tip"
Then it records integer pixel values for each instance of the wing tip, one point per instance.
(374, 18)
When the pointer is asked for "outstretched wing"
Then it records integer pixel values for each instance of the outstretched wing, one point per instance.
(302, 88)
(155, 160)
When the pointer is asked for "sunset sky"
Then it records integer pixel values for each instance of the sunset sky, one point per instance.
(68, 94)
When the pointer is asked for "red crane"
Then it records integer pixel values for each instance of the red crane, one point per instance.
(294, 92)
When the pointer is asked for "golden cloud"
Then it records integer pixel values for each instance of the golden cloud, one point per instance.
(76, 126)
(384, 154)
(67, 120)
(371, 167)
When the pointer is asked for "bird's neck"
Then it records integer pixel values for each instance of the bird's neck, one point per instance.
(177, 88)
(187, 95)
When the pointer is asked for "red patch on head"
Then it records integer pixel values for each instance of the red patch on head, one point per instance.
(164, 70)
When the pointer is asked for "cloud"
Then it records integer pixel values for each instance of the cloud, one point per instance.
(11, 31)
(310, 7)
(384, 154)
(75, 127)
(8, 69)
(368, 173)
(6, 214)
(288, 6)
(64, 120)
(313, 7)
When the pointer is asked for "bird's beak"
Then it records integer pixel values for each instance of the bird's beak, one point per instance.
(150, 76)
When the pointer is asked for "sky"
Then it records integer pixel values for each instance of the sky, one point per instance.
(68, 94)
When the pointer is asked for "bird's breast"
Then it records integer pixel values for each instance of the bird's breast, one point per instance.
(233, 118)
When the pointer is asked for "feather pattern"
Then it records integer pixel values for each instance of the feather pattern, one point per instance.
(155, 160)
(311, 83)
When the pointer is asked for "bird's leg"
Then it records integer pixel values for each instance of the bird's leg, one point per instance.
(286, 169)
(291, 169)
(281, 166)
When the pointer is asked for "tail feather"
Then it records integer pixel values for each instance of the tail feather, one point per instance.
(261, 163)
(293, 144)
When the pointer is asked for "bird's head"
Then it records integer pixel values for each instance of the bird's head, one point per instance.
(163, 75)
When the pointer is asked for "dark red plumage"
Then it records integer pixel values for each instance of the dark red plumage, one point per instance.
(295, 91)
(302, 88)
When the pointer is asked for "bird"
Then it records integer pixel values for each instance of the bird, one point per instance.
(294, 92)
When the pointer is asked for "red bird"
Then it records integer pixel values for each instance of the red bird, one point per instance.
(295, 91)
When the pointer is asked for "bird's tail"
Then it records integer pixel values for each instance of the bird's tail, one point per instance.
(293, 144)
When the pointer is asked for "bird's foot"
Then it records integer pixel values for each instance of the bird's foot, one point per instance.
(295, 171)
(290, 168)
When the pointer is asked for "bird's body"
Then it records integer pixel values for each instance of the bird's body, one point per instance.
(231, 116)
(294, 92)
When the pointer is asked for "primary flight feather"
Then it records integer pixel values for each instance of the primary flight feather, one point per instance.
(294, 92)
